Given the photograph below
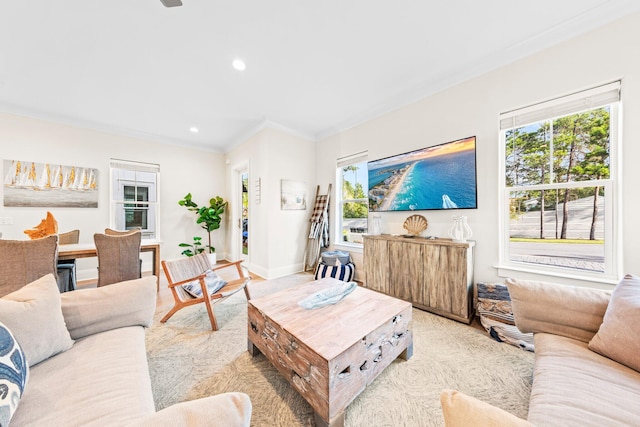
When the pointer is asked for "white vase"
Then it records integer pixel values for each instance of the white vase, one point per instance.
(376, 225)
(212, 258)
(460, 231)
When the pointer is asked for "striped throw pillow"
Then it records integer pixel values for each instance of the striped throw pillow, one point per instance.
(342, 272)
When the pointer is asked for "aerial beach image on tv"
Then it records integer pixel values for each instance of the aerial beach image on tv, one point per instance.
(438, 177)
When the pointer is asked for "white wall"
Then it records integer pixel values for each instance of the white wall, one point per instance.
(277, 237)
(182, 170)
(472, 108)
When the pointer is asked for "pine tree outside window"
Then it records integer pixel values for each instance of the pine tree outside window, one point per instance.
(559, 207)
(352, 201)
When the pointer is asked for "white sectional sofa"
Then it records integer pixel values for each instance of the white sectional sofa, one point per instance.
(87, 361)
(587, 358)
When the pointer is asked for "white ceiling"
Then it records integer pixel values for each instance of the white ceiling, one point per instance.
(315, 67)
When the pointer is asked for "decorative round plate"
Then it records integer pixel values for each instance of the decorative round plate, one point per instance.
(415, 224)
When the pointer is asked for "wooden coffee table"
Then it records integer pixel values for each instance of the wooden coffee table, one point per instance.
(330, 354)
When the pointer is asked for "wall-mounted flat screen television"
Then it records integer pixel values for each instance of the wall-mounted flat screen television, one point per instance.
(438, 177)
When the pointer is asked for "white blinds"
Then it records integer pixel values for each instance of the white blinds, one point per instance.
(134, 166)
(352, 159)
(574, 103)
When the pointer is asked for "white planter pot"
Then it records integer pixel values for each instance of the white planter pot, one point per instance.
(212, 258)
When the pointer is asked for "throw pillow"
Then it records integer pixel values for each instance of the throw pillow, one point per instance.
(342, 272)
(618, 337)
(212, 280)
(34, 315)
(13, 374)
(460, 410)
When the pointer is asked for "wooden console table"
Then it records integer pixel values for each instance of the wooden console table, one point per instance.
(434, 275)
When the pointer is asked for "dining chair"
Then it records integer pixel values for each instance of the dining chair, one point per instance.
(118, 257)
(67, 267)
(24, 261)
(193, 280)
(112, 232)
(69, 238)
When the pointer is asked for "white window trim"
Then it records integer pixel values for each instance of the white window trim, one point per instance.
(608, 94)
(337, 234)
(134, 166)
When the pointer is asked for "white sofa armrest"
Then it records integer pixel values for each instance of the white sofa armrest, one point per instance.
(130, 303)
(222, 410)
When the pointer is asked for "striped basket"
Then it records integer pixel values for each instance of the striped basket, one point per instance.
(494, 309)
(342, 272)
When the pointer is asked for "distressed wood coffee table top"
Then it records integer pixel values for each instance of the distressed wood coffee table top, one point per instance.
(330, 354)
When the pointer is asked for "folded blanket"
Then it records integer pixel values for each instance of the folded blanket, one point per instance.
(328, 296)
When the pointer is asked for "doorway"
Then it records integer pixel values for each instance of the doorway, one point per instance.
(244, 217)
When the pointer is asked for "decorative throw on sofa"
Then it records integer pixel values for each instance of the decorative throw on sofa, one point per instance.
(496, 316)
(13, 374)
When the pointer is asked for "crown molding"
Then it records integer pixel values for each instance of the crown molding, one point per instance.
(267, 124)
(590, 20)
(101, 127)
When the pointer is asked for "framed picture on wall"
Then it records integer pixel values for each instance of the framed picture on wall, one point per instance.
(34, 184)
(293, 195)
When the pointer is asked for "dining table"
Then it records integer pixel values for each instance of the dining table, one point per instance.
(88, 250)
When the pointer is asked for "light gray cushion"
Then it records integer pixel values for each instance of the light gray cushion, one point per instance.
(34, 316)
(212, 280)
(619, 335)
(574, 386)
(569, 311)
(14, 372)
(103, 380)
(129, 303)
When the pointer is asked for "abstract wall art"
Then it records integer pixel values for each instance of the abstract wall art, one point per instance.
(31, 184)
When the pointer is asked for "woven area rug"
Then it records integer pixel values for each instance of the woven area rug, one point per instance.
(187, 361)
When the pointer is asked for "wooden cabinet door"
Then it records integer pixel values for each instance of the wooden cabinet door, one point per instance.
(405, 271)
(458, 282)
(376, 265)
(435, 280)
(445, 280)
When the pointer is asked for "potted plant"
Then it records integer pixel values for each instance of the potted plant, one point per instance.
(194, 248)
(209, 218)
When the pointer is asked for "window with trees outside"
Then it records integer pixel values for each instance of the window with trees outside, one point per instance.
(352, 203)
(134, 197)
(560, 188)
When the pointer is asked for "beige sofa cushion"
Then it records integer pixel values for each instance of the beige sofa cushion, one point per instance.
(573, 386)
(226, 409)
(619, 335)
(34, 316)
(460, 410)
(102, 380)
(90, 311)
(569, 311)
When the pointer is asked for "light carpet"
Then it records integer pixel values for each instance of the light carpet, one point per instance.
(188, 361)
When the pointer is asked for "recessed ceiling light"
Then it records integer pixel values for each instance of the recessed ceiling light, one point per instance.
(193, 129)
(239, 64)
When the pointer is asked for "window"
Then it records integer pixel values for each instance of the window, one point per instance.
(134, 197)
(559, 195)
(352, 203)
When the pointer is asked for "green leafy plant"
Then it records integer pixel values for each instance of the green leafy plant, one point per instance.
(209, 217)
(194, 248)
